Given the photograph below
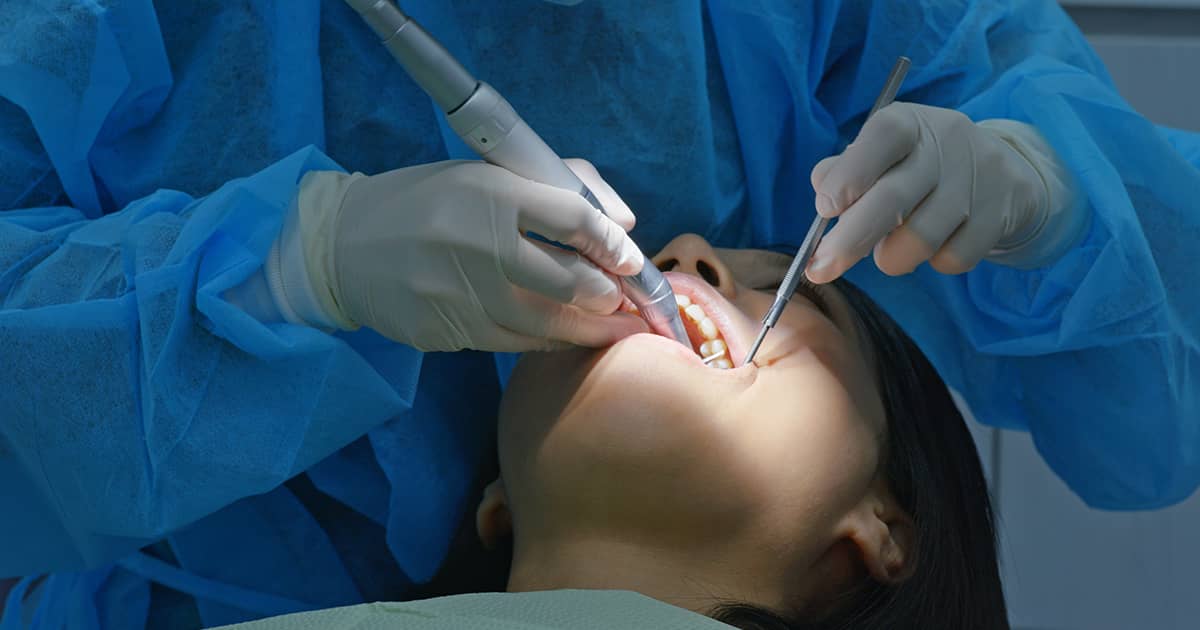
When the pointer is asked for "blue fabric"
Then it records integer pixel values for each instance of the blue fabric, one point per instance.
(147, 154)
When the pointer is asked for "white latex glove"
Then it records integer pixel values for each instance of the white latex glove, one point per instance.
(925, 183)
(434, 256)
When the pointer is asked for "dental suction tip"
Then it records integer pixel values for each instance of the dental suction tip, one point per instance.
(762, 334)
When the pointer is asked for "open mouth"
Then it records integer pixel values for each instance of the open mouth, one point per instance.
(704, 317)
(708, 319)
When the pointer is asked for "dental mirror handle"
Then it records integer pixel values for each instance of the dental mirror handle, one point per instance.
(809, 246)
(488, 124)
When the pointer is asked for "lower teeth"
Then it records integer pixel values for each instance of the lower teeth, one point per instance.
(712, 351)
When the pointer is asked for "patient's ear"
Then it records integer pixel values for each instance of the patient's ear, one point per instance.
(884, 535)
(493, 521)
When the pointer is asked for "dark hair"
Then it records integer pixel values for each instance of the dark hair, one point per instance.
(934, 473)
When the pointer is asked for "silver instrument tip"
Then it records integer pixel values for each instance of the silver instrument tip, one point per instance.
(762, 334)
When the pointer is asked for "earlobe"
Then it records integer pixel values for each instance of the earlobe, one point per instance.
(493, 521)
(886, 539)
(897, 560)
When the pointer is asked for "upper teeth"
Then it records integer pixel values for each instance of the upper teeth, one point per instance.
(713, 350)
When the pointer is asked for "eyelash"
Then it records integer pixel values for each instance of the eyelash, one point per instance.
(812, 292)
(815, 294)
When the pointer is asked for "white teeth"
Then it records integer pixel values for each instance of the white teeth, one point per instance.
(713, 349)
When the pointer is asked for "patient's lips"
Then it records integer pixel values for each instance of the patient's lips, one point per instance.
(714, 326)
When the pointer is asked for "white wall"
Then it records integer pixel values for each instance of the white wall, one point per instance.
(1132, 4)
(1152, 54)
(1066, 566)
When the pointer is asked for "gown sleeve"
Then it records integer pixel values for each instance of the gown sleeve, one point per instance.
(1096, 353)
(137, 395)
(137, 398)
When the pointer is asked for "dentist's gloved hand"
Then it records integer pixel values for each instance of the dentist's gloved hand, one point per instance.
(925, 183)
(434, 256)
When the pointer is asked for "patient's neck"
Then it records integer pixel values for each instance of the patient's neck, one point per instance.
(686, 579)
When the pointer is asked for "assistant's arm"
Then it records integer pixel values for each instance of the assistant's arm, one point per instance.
(136, 397)
(1095, 352)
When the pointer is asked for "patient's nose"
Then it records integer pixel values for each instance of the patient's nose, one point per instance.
(691, 254)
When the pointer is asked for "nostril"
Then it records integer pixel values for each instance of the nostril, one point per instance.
(668, 264)
(708, 273)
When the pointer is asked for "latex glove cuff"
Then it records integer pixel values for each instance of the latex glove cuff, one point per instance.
(300, 265)
(1064, 216)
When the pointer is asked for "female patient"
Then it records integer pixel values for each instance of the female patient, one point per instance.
(832, 484)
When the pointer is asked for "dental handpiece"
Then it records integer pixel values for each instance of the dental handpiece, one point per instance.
(488, 124)
(809, 246)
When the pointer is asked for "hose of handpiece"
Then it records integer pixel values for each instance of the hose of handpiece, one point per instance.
(491, 127)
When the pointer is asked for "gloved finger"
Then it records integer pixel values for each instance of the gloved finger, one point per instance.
(589, 329)
(886, 138)
(562, 276)
(901, 251)
(499, 339)
(532, 315)
(502, 340)
(924, 231)
(614, 206)
(818, 175)
(566, 217)
(969, 244)
(882, 209)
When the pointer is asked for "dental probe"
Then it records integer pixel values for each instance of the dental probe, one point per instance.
(488, 124)
(809, 246)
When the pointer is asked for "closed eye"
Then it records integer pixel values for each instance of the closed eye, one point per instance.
(812, 292)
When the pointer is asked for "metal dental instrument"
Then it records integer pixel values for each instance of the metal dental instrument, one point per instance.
(489, 125)
(817, 230)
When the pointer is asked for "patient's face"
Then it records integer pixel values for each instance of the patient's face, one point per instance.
(646, 442)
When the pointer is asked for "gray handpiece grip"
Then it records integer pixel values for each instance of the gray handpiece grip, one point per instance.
(421, 56)
(490, 126)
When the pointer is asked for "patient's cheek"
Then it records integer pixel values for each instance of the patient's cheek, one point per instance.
(839, 570)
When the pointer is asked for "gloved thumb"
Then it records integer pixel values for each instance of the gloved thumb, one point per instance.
(582, 328)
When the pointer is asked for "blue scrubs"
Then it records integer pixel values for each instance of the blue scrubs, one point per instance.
(147, 155)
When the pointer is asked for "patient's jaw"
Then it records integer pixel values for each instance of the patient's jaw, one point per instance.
(639, 467)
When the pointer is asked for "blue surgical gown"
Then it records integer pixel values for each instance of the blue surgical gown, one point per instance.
(147, 154)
